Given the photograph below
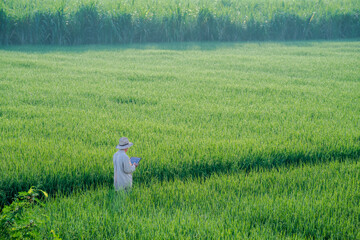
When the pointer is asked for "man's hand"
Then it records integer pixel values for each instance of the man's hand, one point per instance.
(136, 164)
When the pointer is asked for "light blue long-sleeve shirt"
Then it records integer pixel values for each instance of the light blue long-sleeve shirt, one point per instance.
(122, 170)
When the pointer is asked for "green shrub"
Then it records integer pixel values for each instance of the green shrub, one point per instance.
(16, 222)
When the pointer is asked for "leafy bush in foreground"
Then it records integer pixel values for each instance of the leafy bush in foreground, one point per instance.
(15, 220)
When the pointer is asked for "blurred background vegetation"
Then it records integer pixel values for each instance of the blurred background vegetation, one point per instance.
(64, 22)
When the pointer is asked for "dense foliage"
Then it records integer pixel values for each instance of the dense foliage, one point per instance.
(15, 220)
(66, 22)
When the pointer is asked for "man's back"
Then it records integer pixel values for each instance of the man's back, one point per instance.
(122, 170)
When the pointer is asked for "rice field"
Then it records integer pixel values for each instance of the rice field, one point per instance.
(238, 140)
(306, 202)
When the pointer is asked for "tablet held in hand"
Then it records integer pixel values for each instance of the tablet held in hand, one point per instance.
(135, 160)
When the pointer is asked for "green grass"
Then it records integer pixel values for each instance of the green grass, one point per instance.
(65, 22)
(307, 202)
(191, 109)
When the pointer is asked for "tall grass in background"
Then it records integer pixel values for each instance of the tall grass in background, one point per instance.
(65, 22)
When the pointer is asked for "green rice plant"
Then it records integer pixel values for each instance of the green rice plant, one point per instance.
(310, 201)
(192, 110)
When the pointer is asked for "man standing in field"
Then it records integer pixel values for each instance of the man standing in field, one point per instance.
(122, 166)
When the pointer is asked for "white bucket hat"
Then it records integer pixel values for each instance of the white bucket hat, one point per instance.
(124, 143)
